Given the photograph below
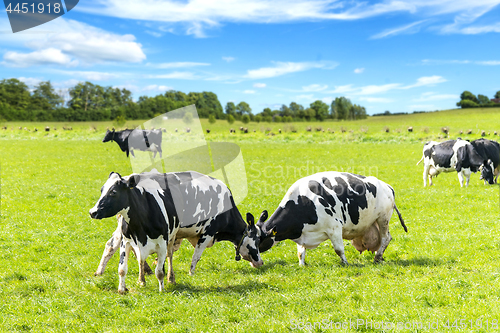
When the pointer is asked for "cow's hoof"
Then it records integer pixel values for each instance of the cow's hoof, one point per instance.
(191, 273)
(122, 291)
(378, 260)
(142, 283)
(97, 274)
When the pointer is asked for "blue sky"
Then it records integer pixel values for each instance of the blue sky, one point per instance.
(399, 56)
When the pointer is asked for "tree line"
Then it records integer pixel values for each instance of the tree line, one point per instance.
(469, 100)
(92, 102)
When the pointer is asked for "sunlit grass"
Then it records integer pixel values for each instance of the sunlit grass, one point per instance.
(444, 268)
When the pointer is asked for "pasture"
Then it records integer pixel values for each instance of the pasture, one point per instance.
(443, 270)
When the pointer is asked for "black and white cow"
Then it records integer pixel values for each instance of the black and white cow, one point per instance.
(490, 151)
(159, 209)
(336, 206)
(452, 155)
(128, 140)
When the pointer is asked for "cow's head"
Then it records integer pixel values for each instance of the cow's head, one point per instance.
(109, 135)
(487, 170)
(114, 197)
(267, 237)
(248, 248)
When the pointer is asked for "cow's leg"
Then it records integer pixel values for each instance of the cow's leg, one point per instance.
(170, 253)
(160, 266)
(385, 237)
(201, 245)
(177, 244)
(461, 178)
(467, 174)
(132, 151)
(426, 173)
(338, 244)
(141, 261)
(123, 266)
(111, 246)
(301, 253)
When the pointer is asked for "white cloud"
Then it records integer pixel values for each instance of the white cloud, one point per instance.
(181, 64)
(50, 56)
(196, 16)
(249, 92)
(259, 85)
(461, 62)
(430, 96)
(90, 75)
(63, 42)
(407, 29)
(154, 33)
(30, 81)
(359, 70)
(426, 81)
(155, 87)
(282, 68)
(175, 75)
(228, 59)
(309, 97)
(379, 89)
(376, 99)
(314, 87)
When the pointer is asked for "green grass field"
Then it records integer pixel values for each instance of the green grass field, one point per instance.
(444, 269)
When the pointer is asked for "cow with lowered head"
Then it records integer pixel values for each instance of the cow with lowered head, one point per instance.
(335, 206)
(452, 155)
(128, 140)
(159, 209)
(489, 150)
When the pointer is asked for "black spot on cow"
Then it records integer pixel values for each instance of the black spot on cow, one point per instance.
(304, 212)
(122, 257)
(442, 153)
(351, 201)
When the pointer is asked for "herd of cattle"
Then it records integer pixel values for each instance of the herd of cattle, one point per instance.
(156, 211)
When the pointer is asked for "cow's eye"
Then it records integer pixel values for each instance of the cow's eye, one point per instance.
(113, 193)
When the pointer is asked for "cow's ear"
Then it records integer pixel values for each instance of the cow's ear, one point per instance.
(131, 182)
(250, 219)
(114, 173)
(263, 217)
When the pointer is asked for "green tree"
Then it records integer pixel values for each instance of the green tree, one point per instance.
(483, 100)
(466, 103)
(295, 109)
(245, 119)
(230, 108)
(497, 95)
(467, 95)
(310, 114)
(230, 119)
(258, 118)
(211, 119)
(321, 109)
(188, 118)
(45, 98)
(341, 107)
(243, 108)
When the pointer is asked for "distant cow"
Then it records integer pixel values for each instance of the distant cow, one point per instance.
(160, 208)
(452, 155)
(490, 151)
(128, 140)
(332, 205)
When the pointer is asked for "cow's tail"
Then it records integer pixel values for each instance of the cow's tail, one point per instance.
(401, 218)
(420, 160)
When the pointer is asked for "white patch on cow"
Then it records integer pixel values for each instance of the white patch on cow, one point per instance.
(124, 213)
(153, 187)
(198, 211)
(105, 189)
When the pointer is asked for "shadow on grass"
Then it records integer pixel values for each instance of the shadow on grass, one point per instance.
(241, 289)
(421, 261)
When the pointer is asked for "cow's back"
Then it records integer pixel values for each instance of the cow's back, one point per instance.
(319, 201)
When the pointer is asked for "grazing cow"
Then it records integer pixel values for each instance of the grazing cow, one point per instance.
(160, 208)
(490, 151)
(452, 155)
(128, 140)
(332, 205)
